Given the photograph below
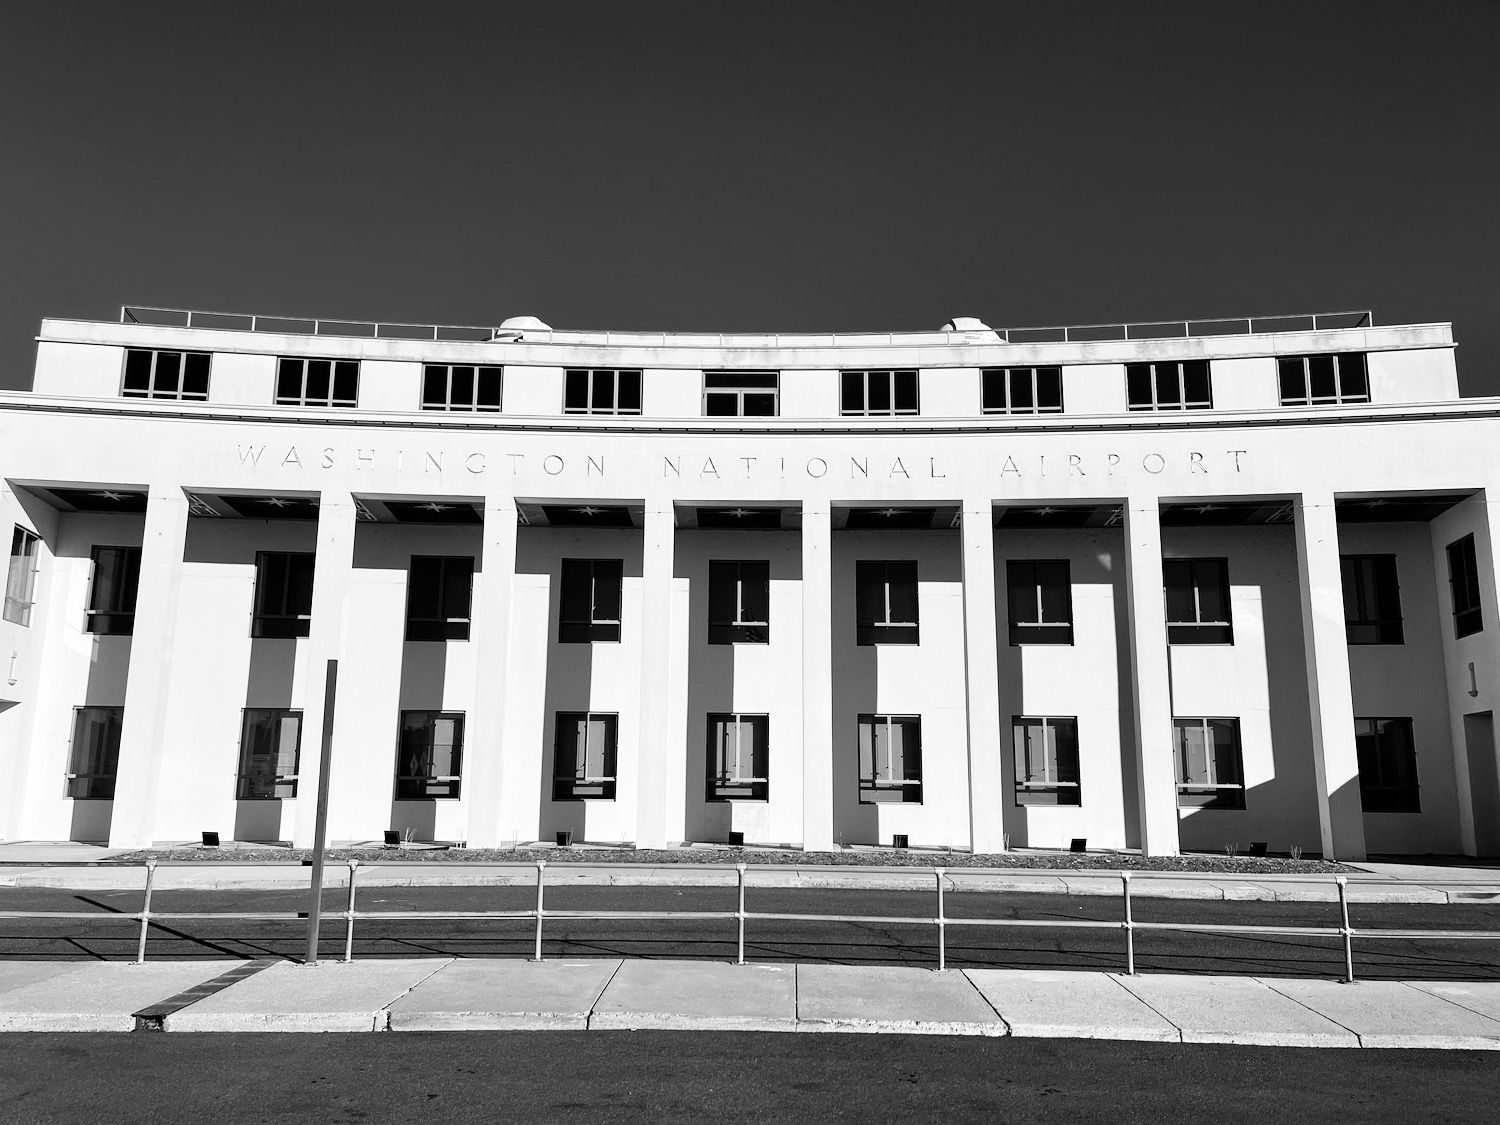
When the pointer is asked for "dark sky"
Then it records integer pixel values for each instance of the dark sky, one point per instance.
(761, 165)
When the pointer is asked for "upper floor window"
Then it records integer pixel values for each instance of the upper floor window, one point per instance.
(283, 594)
(437, 598)
(878, 392)
(583, 756)
(1022, 390)
(589, 600)
(1209, 772)
(737, 758)
(1463, 581)
(741, 394)
(94, 758)
(317, 382)
(430, 760)
(1040, 596)
(1168, 386)
(1372, 599)
(270, 752)
(117, 577)
(890, 759)
(886, 603)
(1308, 380)
(1046, 760)
(20, 581)
(1197, 592)
(1387, 757)
(460, 387)
(602, 391)
(177, 375)
(739, 602)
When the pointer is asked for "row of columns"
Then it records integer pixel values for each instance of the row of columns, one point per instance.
(147, 699)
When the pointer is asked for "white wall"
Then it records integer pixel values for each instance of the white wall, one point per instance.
(533, 390)
(390, 385)
(1097, 388)
(243, 379)
(81, 370)
(1420, 375)
(810, 393)
(1245, 384)
(671, 392)
(949, 392)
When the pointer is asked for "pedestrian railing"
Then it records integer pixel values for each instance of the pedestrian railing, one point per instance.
(940, 920)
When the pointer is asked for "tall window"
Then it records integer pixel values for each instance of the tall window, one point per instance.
(1372, 599)
(438, 591)
(583, 756)
(1168, 386)
(1463, 581)
(890, 759)
(1197, 601)
(1308, 380)
(590, 600)
(1046, 760)
(117, 577)
(460, 387)
(94, 757)
(1040, 596)
(886, 603)
(739, 602)
(317, 382)
(283, 594)
(878, 392)
(602, 391)
(1209, 773)
(1387, 765)
(737, 758)
(270, 750)
(175, 375)
(1022, 390)
(20, 580)
(740, 394)
(430, 760)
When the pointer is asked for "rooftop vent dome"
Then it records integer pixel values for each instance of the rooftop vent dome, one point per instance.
(966, 324)
(523, 323)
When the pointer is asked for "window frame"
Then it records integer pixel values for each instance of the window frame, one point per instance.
(1369, 581)
(743, 626)
(1040, 631)
(116, 619)
(888, 790)
(1304, 375)
(451, 571)
(20, 578)
(1161, 378)
(885, 629)
(592, 385)
(1198, 631)
(1211, 792)
(581, 630)
(719, 784)
(724, 384)
(1463, 586)
(1061, 780)
(98, 784)
(900, 384)
(487, 376)
(151, 389)
(338, 371)
(246, 778)
(998, 387)
(567, 786)
(1377, 756)
(452, 781)
(290, 621)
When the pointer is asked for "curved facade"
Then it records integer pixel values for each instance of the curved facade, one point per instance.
(978, 589)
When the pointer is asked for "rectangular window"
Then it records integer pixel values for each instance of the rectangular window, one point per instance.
(438, 591)
(270, 749)
(283, 594)
(740, 394)
(1387, 756)
(317, 382)
(117, 577)
(886, 603)
(1207, 753)
(95, 755)
(20, 581)
(1040, 596)
(1463, 581)
(1197, 593)
(739, 602)
(460, 387)
(878, 393)
(429, 762)
(583, 756)
(1046, 760)
(589, 600)
(602, 391)
(175, 375)
(737, 758)
(1372, 599)
(1311, 380)
(1022, 390)
(1168, 386)
(890, 759)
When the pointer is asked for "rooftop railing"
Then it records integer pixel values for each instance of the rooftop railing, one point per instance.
(1063, 334)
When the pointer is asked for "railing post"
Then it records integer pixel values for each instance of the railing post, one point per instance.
(1345, 929)
(140, 952)
(942, 922)
(1129, 926)
(541, 867)
(349, 914)
(741, 915)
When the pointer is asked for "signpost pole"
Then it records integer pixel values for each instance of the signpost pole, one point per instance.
(320, 831)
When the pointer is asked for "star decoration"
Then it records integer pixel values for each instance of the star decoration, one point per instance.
(587, 511)
(889, 512)
(1044, 511)
(433, 506)
(1202, 508)
(739, 512)
(277, 502)
(108, 495)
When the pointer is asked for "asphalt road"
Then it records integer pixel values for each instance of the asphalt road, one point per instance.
(604, 1077)
(114, 938)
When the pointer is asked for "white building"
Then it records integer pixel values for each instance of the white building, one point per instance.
(1166, 586)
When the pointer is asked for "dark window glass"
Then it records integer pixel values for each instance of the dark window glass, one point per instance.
(429, 762)
(1207, 753)
(1463, 582)
(740, 394)
(1292, 379)
(487, 388)
(1046, 751)
(270, 751)
(283, 594)
(583, 756)
(164, 382)
(628, 392)
(589, 600)
(878, 392)
(437, 598)
(890, 759)
(317, 382)
(94, 757)
(461, 387)
(1313, 380)
(20, 581)
(1169, 385)
(1197, 599)
(434, 386)
(886, 603)
(1321, 380)
(117, 577)
(602, 391)
(1040, 598)
(739, 602)
(138, 372)
(174, 375)
(1021, 390)
(1372, 599)
(1387, 765)
(195, 375)
(738, 758)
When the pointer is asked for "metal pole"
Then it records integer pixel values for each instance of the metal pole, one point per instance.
(1345, 930)
(320, 830)
(140, 952)
(349, 915)
(942, 923)
(1129, 927)
(541, 866)
(741, 961)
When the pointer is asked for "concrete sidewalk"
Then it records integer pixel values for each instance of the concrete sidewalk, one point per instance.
(445, 994)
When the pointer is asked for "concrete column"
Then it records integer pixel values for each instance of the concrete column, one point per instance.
(148, 681)
(1150, 678)
(494, 814)
(981, 662)
(1329, 696)
(331, 573)
(817, 677)
(654, 755)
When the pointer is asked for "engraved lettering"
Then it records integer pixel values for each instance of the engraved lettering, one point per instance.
(1113, 459)
(860, 467)
(595, 464)
(749, 461)
(250, 456)
(822, 467)
(898, 467)
(1075, 465)
(1237, 454)
(515, 463)
(709, 469)
(1010, 466)
(291, 458)
(674, 466)
(932, 470)
(547, 464)
(469, 463)
(432, 462)
(1161, 462)
(360, 457)
(1195, 463)
(328, 457)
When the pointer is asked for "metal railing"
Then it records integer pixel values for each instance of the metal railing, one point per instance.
(1066, 334)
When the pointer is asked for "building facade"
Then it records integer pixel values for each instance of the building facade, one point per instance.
(1175, 587)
